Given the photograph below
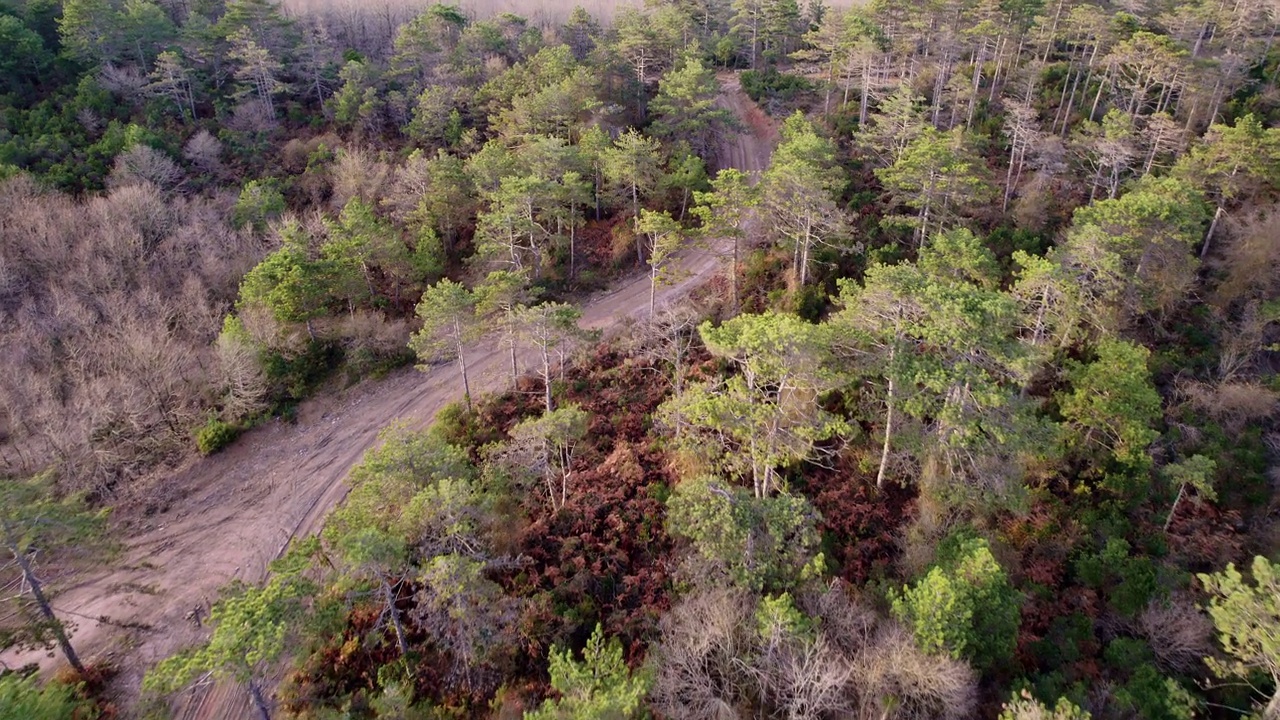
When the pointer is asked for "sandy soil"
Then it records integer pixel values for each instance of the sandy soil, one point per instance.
(231, 514)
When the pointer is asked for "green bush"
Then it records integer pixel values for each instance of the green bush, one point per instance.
(215, 435)
(774, 85)
(23, 697)
(965, 606)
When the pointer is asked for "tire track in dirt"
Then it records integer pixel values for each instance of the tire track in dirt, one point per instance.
(229, 515)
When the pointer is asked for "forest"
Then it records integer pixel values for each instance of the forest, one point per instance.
(905, 360)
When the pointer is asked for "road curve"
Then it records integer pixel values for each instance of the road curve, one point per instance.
(230, 514)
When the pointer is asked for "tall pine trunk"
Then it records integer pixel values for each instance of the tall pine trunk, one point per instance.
(42, 602)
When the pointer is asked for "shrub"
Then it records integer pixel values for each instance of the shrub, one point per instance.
(23, 697)
(965, 606)
(1025, 707)
(762, 544)
(773, 86)
(599, 686)
(215, 435)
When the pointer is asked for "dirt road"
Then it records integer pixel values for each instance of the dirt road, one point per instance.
(231, 514)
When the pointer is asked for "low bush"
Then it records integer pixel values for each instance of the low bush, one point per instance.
(215, 435)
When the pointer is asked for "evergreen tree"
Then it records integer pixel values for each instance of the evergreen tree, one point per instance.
(800, 190)
(767, 416)
(449, 324)
(633, 166)
(600, 686)
(726, 211)
(252, 629)
(965, 606)
(32, 518)
(686, 108)
(939, 177)
(1247, 617)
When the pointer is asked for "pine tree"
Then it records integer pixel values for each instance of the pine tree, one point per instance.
(32, 518)
(449, 324)
(938, 176)
(665, 238)
(1247, 617)
(686, 108)
(600, 686)
(726, 211)
(633, 165)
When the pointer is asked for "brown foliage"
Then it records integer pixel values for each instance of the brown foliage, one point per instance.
(1179, 634)
(1250, 260)
(108, 312)
(863, 523)
(1234, 405)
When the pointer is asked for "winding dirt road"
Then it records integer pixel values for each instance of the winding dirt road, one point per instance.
(231, 514)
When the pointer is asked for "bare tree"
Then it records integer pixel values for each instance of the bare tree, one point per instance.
(1180, 635)
(204, 152)
(145, 164)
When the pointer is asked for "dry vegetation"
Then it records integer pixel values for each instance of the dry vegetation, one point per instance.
(108, 312)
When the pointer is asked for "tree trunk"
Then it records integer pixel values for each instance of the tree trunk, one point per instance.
(37, 592)
(635, 220)
(462, 366)
(888, 425)
(1182, 489)
(515, 372)
(573, 228)
(733, 276)
(389, 598)
(864, 103)
(255, 693)
(1097, 98)
(546, 377)
(653, 290)
(1217, 216)
(1272, 711)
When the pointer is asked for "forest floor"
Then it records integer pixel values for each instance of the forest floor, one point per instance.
(227, 516)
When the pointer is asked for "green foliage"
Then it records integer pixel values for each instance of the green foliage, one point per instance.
(1133, 255)
(965, 606)
(1022, 706)
(1130, 581)
(215, 434)
(800, 191)
(772, 87)
(685, 108)
(762, 544)
(23, 55)
(291, 374)
(252, 627)
(778, 617)
(290, 283)
(1112, 405)
(260, 202)
(1233, 159)
(936, 175)
(447, 311)
(1156, 697)
(600, 687)
(35, 517)
(633, 166)
(1247, 617)
(23, 698)
(1124, 654)
(769, 415)
(412, 457)
(943, 338)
